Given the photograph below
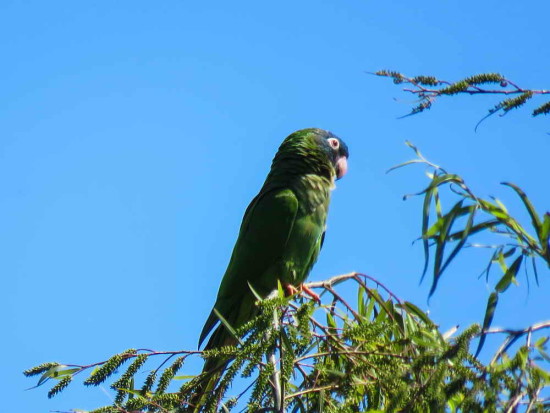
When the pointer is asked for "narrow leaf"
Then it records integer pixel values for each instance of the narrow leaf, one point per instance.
(361, 301)
(509, 276)
(487, 320)
(441, 243)
(414, 148)
(544, 235)
(535, 271)
(437, 181)
(182, 378)
(52, 372)
(490, 264)
(465, 235)
(502, 262)
(535, 219)
(437, 201)
(425, 223)
(474, 229)
(227, 325)
(330, 321)
(254, 292)
(280, 290)
(413, 309)
(393, 168)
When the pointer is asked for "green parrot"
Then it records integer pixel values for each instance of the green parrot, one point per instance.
(280, 236)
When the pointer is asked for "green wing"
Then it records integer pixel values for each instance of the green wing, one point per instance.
(258, 257)
(279, 239)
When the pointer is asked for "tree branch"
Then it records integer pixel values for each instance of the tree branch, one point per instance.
(428, 88)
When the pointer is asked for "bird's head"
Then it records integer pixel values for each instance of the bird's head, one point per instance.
(336, 150)
(310, 151)
(321, 150)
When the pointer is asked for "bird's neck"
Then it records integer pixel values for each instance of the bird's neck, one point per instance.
(291, 167)
(311, 190)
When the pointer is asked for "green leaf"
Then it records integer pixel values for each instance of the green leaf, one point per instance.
(393, 168)
(474, 229)
(545, 229)
(437, 201)
(490, 264)
(509, 221)
(132, 392)
(544, 237)
(227, 325)
(54, 372)
(385, 309)
(370, 308)
(522, 355)
(183, 378)
(413, 309)
(437, 181)
(441, 243)
(500, 204)
(535, 219)
(440, 223)
(330, 320)
(280, 290)
(465, 235)
(509, 253)
(425, 223)
(255, 293)
(535, 271)
(414, 148)
(541, 342)
(509, 276)
(361, 301)
(488, 319)
(501, 261)
(434, 229)
(494, 210)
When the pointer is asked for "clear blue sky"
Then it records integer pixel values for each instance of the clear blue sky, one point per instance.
(134, 134)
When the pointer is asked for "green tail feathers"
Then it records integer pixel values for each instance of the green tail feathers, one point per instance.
(213, 370)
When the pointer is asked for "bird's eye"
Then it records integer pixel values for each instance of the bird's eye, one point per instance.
(334, 143)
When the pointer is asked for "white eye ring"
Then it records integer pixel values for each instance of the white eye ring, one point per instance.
(334, 143)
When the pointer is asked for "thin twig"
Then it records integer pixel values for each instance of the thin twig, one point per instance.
(313, 390)
(352, 352)
(535, 327)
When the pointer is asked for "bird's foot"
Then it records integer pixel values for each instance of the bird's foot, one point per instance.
(310, 292)
(292, 290)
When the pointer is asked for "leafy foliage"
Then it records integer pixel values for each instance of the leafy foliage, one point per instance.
(377, 354)
(512, 246)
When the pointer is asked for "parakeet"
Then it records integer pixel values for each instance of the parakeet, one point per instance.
(281, 233)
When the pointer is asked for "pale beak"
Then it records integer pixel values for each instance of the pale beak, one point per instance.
(341, 167)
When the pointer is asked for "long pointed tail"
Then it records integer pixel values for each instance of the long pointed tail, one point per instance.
(204, 394)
